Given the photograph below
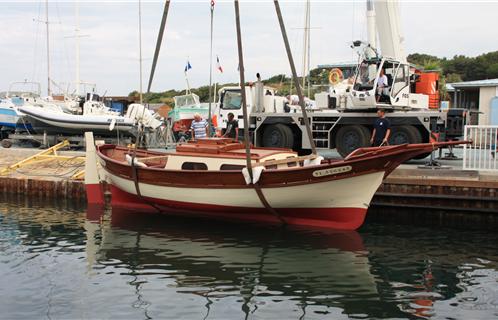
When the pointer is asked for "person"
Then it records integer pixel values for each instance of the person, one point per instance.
(382, 130)
(199, 127)
(232, 130)
(381, 84)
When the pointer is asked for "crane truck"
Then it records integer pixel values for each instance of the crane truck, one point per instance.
(343, 117)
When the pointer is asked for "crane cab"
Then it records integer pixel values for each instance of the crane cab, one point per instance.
(367, 91)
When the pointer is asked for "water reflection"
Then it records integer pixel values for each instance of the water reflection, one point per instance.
(60, 261)
(255, 267)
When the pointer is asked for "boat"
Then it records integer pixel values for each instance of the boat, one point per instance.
(10, 117)
(182, 115)
(209, 178)
(54, 122)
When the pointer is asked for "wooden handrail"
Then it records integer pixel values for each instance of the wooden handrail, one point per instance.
(286, 160)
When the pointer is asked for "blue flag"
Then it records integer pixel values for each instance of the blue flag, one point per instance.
(188, 66)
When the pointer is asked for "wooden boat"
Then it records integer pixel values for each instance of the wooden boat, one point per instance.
(206, 178)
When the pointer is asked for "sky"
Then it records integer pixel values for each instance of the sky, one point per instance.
(109, 48)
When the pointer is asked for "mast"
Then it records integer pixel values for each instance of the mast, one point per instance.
(49, 91)
(210, 68)
(306, 43)
(140, 46)
(77, 80)
(308, 10)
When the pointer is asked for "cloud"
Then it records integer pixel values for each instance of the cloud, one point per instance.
(109, 55)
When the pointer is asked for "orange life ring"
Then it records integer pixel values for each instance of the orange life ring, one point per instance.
(335, 76)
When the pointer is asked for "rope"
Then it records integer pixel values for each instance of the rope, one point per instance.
(153, 69)
(256, 186)
(294, 76)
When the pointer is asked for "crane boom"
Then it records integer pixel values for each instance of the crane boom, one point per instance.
(389, 30)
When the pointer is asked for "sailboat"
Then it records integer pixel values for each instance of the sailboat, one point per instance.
(210, 178)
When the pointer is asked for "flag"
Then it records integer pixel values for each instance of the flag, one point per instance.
(218, 65)
(188, 66)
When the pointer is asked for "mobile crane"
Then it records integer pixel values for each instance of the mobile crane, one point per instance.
(343, 117)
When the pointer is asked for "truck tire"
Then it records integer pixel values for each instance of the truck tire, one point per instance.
(278, 136)
(350, 138)
(405, 134)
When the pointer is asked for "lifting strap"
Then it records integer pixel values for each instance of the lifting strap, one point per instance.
(256, 186)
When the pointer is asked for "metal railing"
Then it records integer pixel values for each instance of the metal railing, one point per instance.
(481, 154)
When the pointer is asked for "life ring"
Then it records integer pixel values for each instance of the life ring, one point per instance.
(335, 76)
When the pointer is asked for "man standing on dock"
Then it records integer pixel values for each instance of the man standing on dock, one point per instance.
(381, 131)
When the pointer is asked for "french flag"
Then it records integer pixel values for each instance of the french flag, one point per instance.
(218, 65)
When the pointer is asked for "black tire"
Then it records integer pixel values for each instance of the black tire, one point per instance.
(350, 138)
(278, 136)
(404, 134)
(6, 143)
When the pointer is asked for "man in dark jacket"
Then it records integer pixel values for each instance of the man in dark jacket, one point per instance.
(381, 131)
(232, 130)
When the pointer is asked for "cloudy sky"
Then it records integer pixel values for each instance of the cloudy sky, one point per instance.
(110, 51)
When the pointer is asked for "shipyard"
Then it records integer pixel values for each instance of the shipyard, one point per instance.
(248, 160)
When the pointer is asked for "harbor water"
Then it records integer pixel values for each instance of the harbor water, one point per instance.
(64, 261)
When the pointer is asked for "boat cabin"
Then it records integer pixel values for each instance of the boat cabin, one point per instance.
(219, 154)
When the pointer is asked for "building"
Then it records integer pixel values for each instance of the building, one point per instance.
(480, 97)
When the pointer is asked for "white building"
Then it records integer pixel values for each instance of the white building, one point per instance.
(480, 97)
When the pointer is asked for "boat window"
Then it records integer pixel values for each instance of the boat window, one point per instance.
(232, 167)
(194, 166)
(291, 164)
(232, 100)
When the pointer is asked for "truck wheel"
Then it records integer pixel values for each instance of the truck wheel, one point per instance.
(278, 136)
(350, 138)
(6, 143)
(405, 134)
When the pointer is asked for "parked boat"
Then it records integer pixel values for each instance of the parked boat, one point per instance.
(186, 107)
(10, 117)
(209, 178)
(101, 124)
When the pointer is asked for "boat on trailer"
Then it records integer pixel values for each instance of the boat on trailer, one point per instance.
(209, 178)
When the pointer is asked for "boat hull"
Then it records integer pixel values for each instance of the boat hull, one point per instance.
(333, 194)
(62, 123)
(329, 204)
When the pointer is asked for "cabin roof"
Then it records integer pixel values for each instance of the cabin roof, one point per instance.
(223, 147)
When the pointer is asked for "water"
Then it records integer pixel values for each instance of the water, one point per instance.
(62, 262)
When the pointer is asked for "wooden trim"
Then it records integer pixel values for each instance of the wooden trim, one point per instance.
(286, 160)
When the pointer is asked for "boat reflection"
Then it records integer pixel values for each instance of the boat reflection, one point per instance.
(216, 260)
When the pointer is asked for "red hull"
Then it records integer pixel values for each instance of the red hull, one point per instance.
(331, 218)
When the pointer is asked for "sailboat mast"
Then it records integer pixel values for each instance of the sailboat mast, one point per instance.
(140, 45)
(308, 10)
(49, 91)
(77, 79)
(305, 41)
(210, 68)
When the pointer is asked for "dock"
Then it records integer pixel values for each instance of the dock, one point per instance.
(436, 196)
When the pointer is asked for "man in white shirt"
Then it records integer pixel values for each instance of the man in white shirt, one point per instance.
(381, 84)
(199, 127)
